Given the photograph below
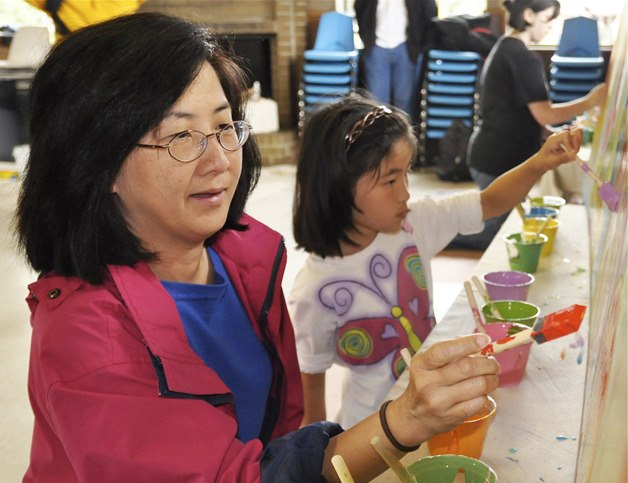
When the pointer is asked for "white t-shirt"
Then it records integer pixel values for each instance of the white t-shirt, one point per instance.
(391, 24)
(361, 310)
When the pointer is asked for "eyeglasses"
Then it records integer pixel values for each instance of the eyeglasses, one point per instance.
(190, 145)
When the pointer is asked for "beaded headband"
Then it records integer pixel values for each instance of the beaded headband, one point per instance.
(365, 122)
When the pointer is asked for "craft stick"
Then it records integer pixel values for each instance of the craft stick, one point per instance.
(391, 460)
(541, 228)
(406, 356)
(480, 286)
(342, 471)
(460, 476)
(521, 211)
(477, 318)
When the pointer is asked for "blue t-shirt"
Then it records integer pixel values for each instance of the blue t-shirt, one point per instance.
(220, 332)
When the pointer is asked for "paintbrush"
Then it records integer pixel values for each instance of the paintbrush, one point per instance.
(491, 306)
(342, 471)
(477, 318)
(554, 325)
(605, 190)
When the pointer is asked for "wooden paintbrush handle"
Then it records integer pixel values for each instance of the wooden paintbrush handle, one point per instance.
(510, 342)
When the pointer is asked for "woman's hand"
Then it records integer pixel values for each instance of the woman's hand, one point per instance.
(448, 384)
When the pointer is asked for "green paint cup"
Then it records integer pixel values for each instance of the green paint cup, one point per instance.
(444, 468)
(524, 251)
(514, 311)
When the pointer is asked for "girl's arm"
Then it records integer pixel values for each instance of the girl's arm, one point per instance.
(313, 398)
(545, 112)
(447, 385)
(510, 188)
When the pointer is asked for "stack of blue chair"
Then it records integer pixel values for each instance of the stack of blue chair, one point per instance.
(449, 92)
(577, 64)
(330, 68)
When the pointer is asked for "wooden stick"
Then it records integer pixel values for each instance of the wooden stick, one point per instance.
(541, 228)
(406, 356)
(520, 338)
(477, 318)
(391, 460)
(342, 471)
(480, 286)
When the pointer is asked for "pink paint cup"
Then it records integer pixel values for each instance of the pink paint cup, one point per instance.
(513, 361)
(508, 285)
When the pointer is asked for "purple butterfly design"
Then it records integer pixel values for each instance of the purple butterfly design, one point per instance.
(369, 340)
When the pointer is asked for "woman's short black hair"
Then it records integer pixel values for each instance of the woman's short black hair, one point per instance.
(517, 7)
(96, 95)
(327, 173)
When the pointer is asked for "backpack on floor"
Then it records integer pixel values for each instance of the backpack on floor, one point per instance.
(451, 161)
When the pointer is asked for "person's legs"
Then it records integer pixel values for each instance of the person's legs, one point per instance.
(404, 81)
(480, 241)
(377, 73)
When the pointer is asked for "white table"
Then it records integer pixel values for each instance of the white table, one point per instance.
(522, 443)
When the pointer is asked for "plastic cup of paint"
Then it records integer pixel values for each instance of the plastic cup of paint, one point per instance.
(513, 362)
(508, 284)
(524, 250)
(467, 438)
(443, 469)
(541, 212)
(555, 202)
(550, 229)
(513, 311)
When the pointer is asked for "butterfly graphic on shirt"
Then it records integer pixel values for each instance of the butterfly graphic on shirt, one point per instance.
(369, 340)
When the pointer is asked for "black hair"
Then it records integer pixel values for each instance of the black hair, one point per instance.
(97, 94)
(517, 7)
(328, 172)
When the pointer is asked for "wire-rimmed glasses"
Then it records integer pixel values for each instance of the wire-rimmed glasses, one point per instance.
(190, 145)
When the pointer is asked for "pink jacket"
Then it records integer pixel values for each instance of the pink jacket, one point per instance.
(97, 353)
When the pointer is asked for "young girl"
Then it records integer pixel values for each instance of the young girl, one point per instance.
(365, 291)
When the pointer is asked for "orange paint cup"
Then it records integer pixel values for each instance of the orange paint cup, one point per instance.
(468, 437)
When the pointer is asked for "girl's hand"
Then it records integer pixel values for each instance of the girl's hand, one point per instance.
(559, 148)
(448, 384)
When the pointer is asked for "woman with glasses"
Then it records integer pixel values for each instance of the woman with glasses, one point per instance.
(161, 346)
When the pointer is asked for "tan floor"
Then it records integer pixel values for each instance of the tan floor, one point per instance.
(271, 203)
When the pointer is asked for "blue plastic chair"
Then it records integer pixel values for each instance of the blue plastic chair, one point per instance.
(439, 65)
(459, 55)
(440, 122)
(327, 79)
(449, 112)
(450, 100)
(579, 38)
(334, 39)
(323, 89)
(576, 74)
(451, 78)
(455, 89)
(585, 87)
(327, 68)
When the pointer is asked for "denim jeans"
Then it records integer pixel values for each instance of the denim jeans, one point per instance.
(480, 241)
(392, 77)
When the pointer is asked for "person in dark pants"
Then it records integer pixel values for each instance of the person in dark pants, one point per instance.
(515, 104)
(393, 33)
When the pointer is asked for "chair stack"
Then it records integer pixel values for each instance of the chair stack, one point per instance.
(449, 92)
(330, 68)
(577, 64)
